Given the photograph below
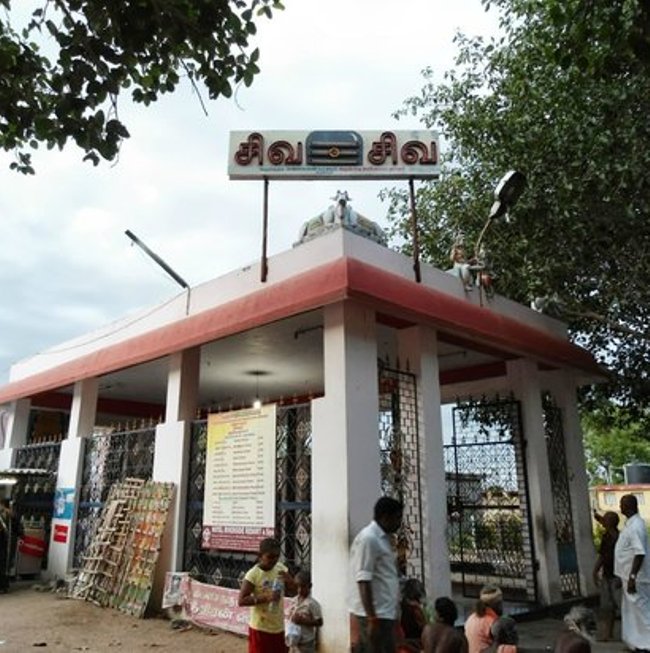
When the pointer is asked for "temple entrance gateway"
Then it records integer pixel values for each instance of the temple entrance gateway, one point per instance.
(328, 317)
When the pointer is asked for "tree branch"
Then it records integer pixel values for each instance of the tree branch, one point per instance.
(614, 326)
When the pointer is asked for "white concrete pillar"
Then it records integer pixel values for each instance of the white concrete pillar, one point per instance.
(68, 482)
(525, 383)
(170, 463)
(345, 461)
(64, 521)
(182, 385)
(562, 386)
(16, 433)
(83, 410)
(418, 347)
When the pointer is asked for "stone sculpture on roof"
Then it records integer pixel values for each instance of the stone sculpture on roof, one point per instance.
(341, 215)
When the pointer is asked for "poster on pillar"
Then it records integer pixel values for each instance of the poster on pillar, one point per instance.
(63, 503)
(239, 499)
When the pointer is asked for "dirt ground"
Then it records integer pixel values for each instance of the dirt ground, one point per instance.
(31, 620)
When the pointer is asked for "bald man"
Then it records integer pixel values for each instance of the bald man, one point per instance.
(632, 566)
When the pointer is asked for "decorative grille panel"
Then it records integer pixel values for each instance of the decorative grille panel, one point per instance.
(293, 480)
(109, 459)
(400, 462)
(563, 517)
(489, 533)
(39, 456)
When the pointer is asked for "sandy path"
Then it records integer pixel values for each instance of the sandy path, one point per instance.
(33, 621)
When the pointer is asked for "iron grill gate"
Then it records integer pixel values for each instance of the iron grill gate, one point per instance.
(34, 496)
(400, 462)
(109, 459)
(489, 529)
(293, 502)
(562, 514)
(39, 456)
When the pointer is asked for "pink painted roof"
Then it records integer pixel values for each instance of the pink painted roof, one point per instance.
(342, 278)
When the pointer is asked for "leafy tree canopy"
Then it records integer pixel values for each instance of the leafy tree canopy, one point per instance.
(562, 96)
(613, 438)
(100, 49)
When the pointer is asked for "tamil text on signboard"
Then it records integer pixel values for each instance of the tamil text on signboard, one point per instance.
(342, 154)
(239, 500)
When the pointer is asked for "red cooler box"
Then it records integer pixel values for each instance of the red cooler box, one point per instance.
(31, 549)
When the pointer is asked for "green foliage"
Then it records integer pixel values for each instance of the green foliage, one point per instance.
(597, 534)
(104, 48)
(500, 530)
(613, 438)
(561, 96)
(464, 542)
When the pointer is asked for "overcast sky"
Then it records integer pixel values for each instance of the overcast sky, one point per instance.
(66, 266)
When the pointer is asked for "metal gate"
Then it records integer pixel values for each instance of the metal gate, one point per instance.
(489, 527)
(108, 459)
(293, 502)
(34, 496)
(39, 456)
(562, 514)
(400, 462)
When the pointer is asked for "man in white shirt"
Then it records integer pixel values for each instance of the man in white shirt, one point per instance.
(632, 566)
(374, 592)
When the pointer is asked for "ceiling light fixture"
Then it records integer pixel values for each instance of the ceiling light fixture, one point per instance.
(257, 402)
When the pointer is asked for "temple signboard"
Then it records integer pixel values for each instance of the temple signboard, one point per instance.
(333, 154)
(239, 495)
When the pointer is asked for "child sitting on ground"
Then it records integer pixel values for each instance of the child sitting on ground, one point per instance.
(412, 618)
(579, 631)
(306, 614)
(506, 638)
(441, 636)
(489, 608)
